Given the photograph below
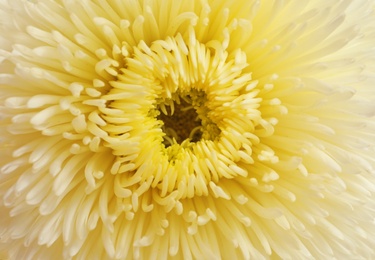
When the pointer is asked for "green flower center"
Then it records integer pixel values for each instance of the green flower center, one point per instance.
(187, 119)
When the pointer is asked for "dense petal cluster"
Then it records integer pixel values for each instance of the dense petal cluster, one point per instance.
(210, 129)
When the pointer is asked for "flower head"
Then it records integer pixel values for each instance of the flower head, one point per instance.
(188, 129)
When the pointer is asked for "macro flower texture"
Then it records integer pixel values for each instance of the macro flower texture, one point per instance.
(187, 129)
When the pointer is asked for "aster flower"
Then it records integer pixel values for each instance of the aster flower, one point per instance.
(213, 129)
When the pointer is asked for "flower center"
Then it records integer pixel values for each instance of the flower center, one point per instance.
(187, 119)
(183, 124)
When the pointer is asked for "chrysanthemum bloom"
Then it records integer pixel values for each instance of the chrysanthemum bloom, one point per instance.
(217, 129)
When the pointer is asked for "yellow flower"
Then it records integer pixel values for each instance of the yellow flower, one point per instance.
(210, 129)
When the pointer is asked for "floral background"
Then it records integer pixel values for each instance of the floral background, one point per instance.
(213, 129)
